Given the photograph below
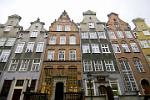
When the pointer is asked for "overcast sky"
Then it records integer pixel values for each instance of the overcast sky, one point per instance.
(49, 10)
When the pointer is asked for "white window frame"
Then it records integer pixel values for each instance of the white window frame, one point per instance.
(89, 89)
(98, 65)
(50, 55)
(10, 42)
(116, 48)
(95, 48)
(61, 52)
(125, 47)
(111, 83)
(13, 65)
(112, 35)
(139, 65)
(7, 28)
(62, 39)
(2, 41)
(101, 35)
(134, 47)
(72, 55)
(85, 48)
(4, 55)
(67, 28)
(128, 34)
(105, 48)
(87, 66)
(93, 35)
(19, 48)
(24, 65)
(91, 25)
(85, 35)
(52, 40)
(34, 33)
(40, 47)
(146, 32)
(72, 40)
(144, 44)
(35, 65)
(109, 65)
(30, 47)
(120, 34)
(59, 28)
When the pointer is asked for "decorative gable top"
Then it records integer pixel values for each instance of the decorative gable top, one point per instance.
(64, 15)
(15, 16)
(89, 12)
(38, 21)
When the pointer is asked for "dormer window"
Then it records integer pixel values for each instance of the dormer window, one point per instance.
(34, 33)
(91, 25)
(59, 28)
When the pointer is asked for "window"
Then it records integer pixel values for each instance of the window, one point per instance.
(52, 40)
(40, 47)
(61, 55)
(19, 83)
(90, 87)
(19, 47)
(4, 55)
(134, 47)
(62, 39)
(95, 48)
(30, 47)
(144, 44)
(24, 65)
(2, 41)
(148, 57)
(59, 28)
(105, 48)
(50, 55)
(91, 25)
(115, 87)
(138, 65)
(10, 42)
(8, 28)
(128, 34)
(34, 33)
(85, 48)
(72, 55)
(72, 40)
(85, 35)
(109, 65)
(120, 34)
(87, 66)
(125, 48)
(116, 48)
(98, 65)
(93, 35)
(67, 27)
(111, 35)
(146, 32)
(13, 65)
(101, 35)
(35, 65)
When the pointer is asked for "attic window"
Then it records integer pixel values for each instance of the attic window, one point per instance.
(8, 28)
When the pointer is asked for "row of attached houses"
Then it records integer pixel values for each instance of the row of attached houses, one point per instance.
(97, 58)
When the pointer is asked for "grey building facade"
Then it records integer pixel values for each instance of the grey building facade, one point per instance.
(23, 69)
(100, 71)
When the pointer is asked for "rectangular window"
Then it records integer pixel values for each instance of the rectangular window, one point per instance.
(128, 34)
(61, 55)
(2, 41)
(146, 32)
(67, 27)
(19, 48)
(85, 35)
(148, 57)
(116, 48)
(72, 55)
(138, 65)
(115, 87)
(87, 66)
(52, 40)
(101, 35)
(109, 65)
(90, 87)
(40, 47)
(95, 48)
(14, 64)
(4, 55)
(120, 34)
(85, 48)
(30, 46)
(8, 28)
(134, 47)
(62, 39)
(34, 33)
(91, 25)
(93, 35)
(144, 44)
(125, 48)
(35, 65)
(24, 65)
(50, 55)
(98, 66)
(72, 40)
(111, 35)
(10, 42)
(59, 28)
(105, 48)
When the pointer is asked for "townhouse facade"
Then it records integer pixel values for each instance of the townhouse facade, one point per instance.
(130, 59)
(61, 70)
(100, 70)
(23, 69)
